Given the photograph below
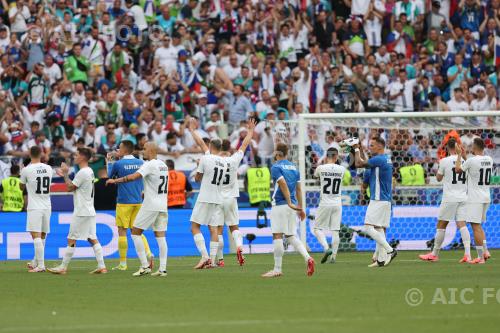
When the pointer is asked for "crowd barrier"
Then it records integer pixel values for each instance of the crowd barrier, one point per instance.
(411, 226)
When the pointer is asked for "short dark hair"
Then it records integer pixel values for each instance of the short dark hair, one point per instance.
(379, 140)
(216, 143)
(35, 152)
(170, 164)
(332, 152)
(451, 143)
(85, 152)
(479, 143)
(128, 145)
(226, 145)
(14, 169)
(170, 135)
(282, 149)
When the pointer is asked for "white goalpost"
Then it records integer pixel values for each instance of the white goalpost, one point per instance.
(408, 134)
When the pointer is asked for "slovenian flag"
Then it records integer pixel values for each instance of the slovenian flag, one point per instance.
(497, 51)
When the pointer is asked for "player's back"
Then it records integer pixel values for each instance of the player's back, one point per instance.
(37, 178)
(213, 168)
(380, 177)
(155, 177)
(130, 192)
(330, 176)
(478, 169)
(83, 198)
(454, 183)
(289, 172)
(229, 187)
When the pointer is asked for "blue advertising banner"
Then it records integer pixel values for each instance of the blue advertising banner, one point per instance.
(412, 226)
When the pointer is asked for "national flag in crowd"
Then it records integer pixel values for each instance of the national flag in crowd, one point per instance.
(497, 51)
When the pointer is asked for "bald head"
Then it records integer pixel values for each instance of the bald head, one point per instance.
(150, 150)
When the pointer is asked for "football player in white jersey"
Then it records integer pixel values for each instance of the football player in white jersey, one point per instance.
(213, 170)
(83, 225)
(37, 177)
(329, 212)
(153, 212)
(230, 193)
(452, 204)
(478, 169)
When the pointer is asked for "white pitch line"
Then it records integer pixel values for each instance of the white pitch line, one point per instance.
(117, 326)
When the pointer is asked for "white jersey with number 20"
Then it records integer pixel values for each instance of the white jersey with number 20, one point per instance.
(330, 176)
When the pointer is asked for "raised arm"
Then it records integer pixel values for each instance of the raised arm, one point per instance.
(199, 141)
(248, 138)
(360, 160)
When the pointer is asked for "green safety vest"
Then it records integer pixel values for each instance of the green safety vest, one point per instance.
(259, 185)
(412, 175)
(13, 198)
(346, 181)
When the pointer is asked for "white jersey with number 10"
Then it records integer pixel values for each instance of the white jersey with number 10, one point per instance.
(330, 176)
(479, 169)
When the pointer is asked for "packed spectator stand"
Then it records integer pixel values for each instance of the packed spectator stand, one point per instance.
(94, 73)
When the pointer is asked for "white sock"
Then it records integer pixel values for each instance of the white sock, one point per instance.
(438, 241)
(39, 252)
(220, 250)
(382, 253)
(70, 250)
(335, 243)
(376, 252)
(320, 235)
(377, 237)
(214, 246)
(98, 255)
(464, 233)
(480, 252)
(139, 249)
(299, 247)
(485, 247)
(199, 240)
(279, 250)
(162, 245)
(238, 238)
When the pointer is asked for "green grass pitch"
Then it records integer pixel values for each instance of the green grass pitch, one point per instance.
(342, 297)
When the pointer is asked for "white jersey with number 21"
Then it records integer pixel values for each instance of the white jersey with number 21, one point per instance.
(155, 176)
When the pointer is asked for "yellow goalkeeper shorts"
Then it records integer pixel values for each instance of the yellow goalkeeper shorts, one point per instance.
(125, 215)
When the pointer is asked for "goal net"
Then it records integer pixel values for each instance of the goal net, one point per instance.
(415, 142)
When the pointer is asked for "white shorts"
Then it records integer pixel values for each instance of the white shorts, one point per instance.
(476, 212)
(328, 218)
(38, 220)
(230, 210)
(147, 219)
(208, 214)
(283, 220)
(378, 213)
(82, 228)
(451, 211)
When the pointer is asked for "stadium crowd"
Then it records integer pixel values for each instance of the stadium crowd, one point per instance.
(93, 73)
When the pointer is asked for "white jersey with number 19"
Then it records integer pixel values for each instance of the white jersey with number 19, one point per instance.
(478, 170)
(37, 178)
(213, 168)
(155, 177)
(330, 176)
(454, 183)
